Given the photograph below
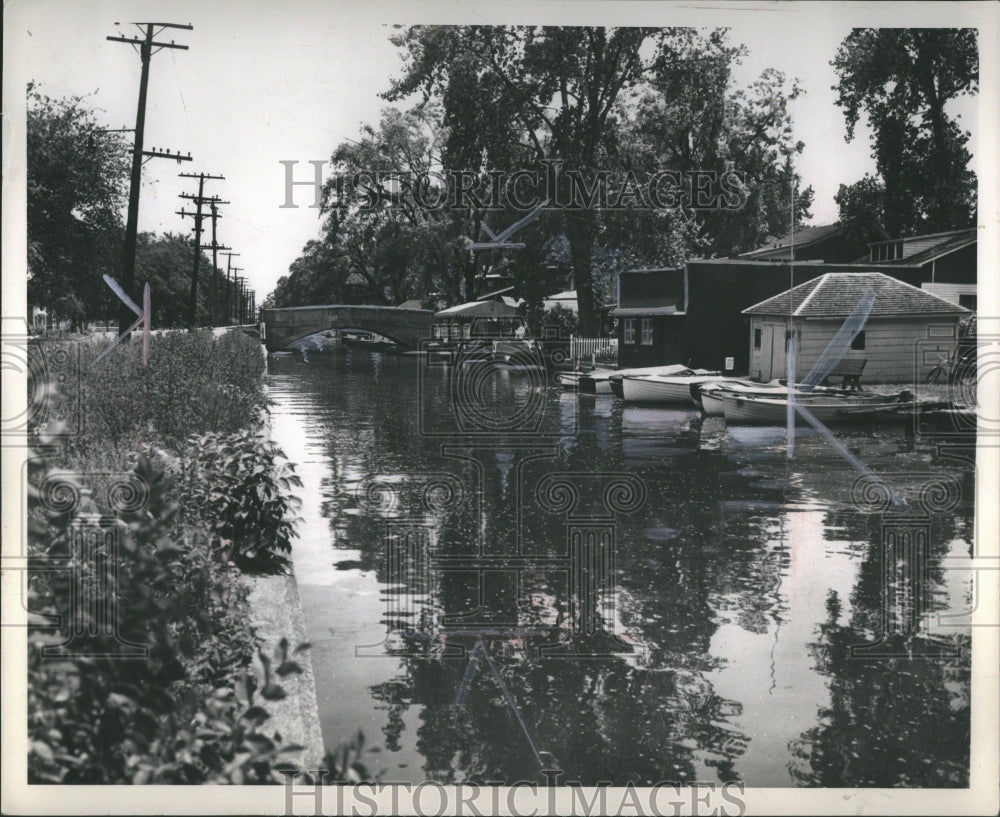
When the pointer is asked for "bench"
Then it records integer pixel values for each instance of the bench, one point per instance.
(849, 371)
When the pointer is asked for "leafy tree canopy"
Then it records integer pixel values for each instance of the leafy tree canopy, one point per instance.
(77, 185)
(903, 80)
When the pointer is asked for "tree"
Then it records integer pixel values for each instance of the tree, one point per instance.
(903, 80)
(164, 262)
(377, 213)
(514, 93)
(692, 121)
(76, 189)
(862, 211)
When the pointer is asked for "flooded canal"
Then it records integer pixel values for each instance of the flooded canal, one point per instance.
(498, 576)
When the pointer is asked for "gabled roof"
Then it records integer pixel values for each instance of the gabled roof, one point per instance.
(802, 237)
(836, 294)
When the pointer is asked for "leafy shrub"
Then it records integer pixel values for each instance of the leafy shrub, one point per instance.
(239, 483)
(186, 712)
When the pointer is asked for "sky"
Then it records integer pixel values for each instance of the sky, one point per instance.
(266, 82)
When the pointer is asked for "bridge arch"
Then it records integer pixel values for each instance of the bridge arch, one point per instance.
(406, 327)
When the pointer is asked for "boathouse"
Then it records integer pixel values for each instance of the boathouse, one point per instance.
(478, 319)
(908, 331)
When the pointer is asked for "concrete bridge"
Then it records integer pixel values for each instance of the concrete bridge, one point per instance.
(407, 327)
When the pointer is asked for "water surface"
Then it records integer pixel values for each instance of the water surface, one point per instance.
(663, 598)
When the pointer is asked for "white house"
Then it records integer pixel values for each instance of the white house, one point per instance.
(907, 332)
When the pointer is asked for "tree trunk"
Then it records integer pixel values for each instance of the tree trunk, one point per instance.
(581, 225)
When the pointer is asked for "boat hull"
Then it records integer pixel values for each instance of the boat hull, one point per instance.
(773, 411)
(601, 382)
(665, 389)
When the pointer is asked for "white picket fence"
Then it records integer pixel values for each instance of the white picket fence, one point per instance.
(593, 350)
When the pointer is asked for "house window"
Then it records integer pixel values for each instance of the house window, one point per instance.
(647, 331)
(859, 341)
(628, 333)
(756, 338)
(968, 301)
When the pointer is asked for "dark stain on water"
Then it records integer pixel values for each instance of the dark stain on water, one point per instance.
(719, 647)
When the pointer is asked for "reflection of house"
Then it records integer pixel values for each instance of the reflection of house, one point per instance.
(904, 325)
(477, 319)
(832, 243)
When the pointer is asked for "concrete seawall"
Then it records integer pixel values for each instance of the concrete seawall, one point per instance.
(276, 612)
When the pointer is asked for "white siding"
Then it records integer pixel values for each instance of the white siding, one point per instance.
(949, 292)
(898, 351)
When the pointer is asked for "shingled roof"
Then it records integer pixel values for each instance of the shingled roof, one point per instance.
(836, 294)
(801, 238)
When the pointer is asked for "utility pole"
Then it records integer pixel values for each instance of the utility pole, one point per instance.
(229, 284)
(146, 46)
(241, 298)
(214, 215)
(236, 291)
(199, 201)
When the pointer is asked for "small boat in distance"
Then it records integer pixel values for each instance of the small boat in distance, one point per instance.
(367, 341)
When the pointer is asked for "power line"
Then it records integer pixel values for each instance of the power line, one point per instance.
(199, 200)
(146, 47)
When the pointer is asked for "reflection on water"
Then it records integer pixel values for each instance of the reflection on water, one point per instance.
(659, 598)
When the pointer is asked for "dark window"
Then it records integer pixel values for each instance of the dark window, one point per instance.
(859, 341)
(756, 338)
(968, 301)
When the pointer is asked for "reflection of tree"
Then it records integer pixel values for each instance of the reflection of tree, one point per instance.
(891, 721)
(601, 719)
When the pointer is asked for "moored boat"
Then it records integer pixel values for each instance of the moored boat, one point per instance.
(609, 381)
(751, 409)
(571, 379)
(709, 396)
(668, 388)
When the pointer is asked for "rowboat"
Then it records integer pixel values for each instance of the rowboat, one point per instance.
(369, 343)
(571, 379)
(676, 388)
(751, 409)
(604, 381)
(709, 396)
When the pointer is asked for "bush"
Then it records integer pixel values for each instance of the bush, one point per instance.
(185, 709)
(239, 485)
